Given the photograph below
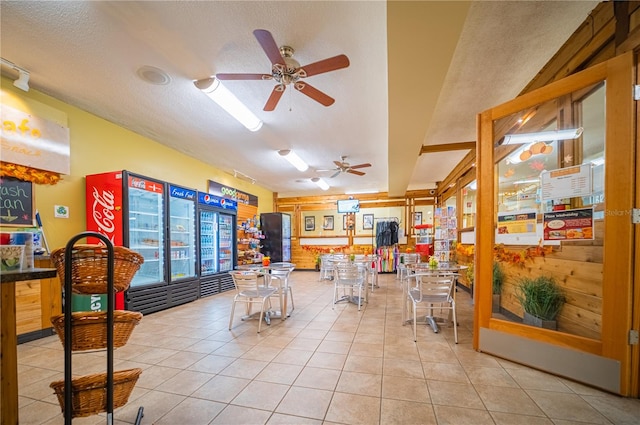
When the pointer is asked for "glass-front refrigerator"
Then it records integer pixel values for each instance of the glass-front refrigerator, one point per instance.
(276, 228)
(129, 209)
(226, 238)
(217, 243)
(182, 234)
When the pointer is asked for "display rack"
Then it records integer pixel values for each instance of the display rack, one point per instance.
(445, 234)
(97, 386)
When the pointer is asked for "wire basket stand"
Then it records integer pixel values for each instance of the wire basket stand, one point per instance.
(68, 337)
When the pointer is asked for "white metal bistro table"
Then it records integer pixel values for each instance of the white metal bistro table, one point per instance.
(442, 269)
(267, 272)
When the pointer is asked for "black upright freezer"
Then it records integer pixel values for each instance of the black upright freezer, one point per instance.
(276, 228)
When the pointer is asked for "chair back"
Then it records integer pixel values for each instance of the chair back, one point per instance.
(346, 273)
(431, 288)
(245, 280)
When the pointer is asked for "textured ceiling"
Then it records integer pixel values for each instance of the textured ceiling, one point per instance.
(419, 74)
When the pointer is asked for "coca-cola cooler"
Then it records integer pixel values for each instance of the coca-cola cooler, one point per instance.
(133, 211)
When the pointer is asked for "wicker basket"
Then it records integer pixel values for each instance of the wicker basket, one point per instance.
(89, 329)
(89, 267)
(89, 392)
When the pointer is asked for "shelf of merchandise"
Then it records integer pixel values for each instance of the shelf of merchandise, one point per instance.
(249, 236)
(445, 234)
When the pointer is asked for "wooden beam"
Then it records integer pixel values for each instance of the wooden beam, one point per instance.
(446, 147)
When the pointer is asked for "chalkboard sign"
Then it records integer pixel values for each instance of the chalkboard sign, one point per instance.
(16, 202)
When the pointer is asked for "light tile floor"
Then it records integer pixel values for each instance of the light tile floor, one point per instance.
(320, 366)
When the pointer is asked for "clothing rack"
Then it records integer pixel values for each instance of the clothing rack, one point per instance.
(387, 244)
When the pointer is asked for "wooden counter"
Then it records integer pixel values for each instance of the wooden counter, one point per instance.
(9, 340)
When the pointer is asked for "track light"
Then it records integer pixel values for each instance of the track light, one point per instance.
(22, 82)
(242, 176)
(321, 183)
(543, 136)
(294, 159)
(227, 101)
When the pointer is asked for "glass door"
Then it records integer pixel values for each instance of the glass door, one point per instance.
(182, 233)
(145, 217)
(208, 242)
(541, 215)
(226, 235)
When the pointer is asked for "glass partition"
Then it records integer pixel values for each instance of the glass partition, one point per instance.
(549, 185)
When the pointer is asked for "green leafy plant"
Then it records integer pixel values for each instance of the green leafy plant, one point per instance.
(541, 297)
(498, 278)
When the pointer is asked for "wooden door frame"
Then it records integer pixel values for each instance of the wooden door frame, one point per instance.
(619, 196)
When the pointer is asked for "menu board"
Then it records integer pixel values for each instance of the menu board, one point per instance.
(566, 182)
(568, 225)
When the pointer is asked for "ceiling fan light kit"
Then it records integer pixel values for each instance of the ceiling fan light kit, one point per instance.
(321, 183)
(213, 88)
(287, 71)
(294, 159)
(345, 167)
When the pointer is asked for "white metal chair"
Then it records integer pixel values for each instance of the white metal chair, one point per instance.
(249, 291)
(350, 278)
(326, 267)
(405, 260)
(280, 272)
(427, 289)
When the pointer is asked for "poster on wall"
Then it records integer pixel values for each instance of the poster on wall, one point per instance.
(568, 225)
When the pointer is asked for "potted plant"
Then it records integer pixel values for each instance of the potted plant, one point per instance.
(542, 299)
(496, 286)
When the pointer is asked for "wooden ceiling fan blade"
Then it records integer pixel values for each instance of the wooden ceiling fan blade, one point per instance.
(360, 166)
(326, 65)
(244, 77)
(358, 173)
(338, 164)
(273, 100)
(269, 46)
(314, 93)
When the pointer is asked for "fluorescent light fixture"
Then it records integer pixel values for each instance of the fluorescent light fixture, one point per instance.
(543, 136)
(358, 192)
(525, 181)
(22, 82)
(227, 101)
(321, 183)
(294, 159)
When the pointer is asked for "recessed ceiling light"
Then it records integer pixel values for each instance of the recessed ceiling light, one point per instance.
(153, 75)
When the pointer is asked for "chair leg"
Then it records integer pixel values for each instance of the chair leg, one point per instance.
(335, 296)
(360, 301)
(264, 302)
(455, 322)
(415, 322)
(293, 306)
(233, 309)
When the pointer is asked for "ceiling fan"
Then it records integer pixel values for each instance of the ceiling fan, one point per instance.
(285, 71)
(345, 167)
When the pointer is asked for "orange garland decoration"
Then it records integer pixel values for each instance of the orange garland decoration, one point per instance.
(28, 174)
(500, 253)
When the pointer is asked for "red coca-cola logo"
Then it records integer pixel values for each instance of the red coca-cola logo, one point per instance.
(102, 212)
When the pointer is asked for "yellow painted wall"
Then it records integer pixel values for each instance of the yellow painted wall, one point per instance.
(99, 146)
